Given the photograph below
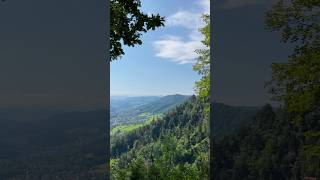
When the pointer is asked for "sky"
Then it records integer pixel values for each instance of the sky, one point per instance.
(52, 54)
(163, 64)
(243, 52)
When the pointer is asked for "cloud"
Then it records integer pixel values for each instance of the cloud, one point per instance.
(205, 5)
(230, 4)
(179, 49)
(185, 19)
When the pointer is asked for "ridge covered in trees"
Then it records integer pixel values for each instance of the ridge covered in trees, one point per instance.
(282, 143)
(172, 147)
(175, 146)
(268, 148)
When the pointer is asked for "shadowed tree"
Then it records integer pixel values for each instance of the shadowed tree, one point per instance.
(128, 23)
(297, 83)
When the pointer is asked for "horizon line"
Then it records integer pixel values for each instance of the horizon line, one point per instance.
(149, 95)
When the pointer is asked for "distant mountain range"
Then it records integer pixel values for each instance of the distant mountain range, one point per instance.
(175, 140)
(63, 146)
(67, 144)
(131, 110)
(120, 103)
(181, 134)
(163, 104)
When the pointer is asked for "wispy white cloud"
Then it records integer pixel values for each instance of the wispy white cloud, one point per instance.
(182, 49)
(177, 50)
(184, 19)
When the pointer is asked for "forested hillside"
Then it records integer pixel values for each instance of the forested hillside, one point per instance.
(121, 103)
(172, 147)
(135, 110)
(164, 104)
(229, 119)
(62, 146)
(52, 144)
(282, 143)
(269, 148)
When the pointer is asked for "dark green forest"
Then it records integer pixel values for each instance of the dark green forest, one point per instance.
(62, 146)
(282, 143)
(172, 147)
(263, 143)
(269, 147)
(276, 143)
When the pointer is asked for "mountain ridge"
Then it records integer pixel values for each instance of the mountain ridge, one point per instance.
(140, 113)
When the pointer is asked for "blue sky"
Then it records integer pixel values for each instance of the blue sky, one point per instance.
(163, 64)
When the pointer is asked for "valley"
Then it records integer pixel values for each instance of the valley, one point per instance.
(73, 144)
(129, 113)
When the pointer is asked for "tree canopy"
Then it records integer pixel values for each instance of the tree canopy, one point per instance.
(128, 23)
(202, 65)
(175, 146)
(297, 82)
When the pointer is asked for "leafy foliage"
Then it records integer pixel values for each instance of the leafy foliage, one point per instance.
(298, 21)
(202, 66)
(173, 147)
(128, 23)
(268, 148)
(297, 83)
(283, 143)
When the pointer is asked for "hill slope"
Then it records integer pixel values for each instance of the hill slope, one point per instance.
(228, 119)
(166, 148)
(120, 103)
(270, 147)
(164, 104)
(143, 109)
(70, 145)
(175, 143)
(64, 146)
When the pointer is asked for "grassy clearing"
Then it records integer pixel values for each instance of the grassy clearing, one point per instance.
(122, 129)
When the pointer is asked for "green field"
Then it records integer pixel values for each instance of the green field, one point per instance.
(122, 129)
